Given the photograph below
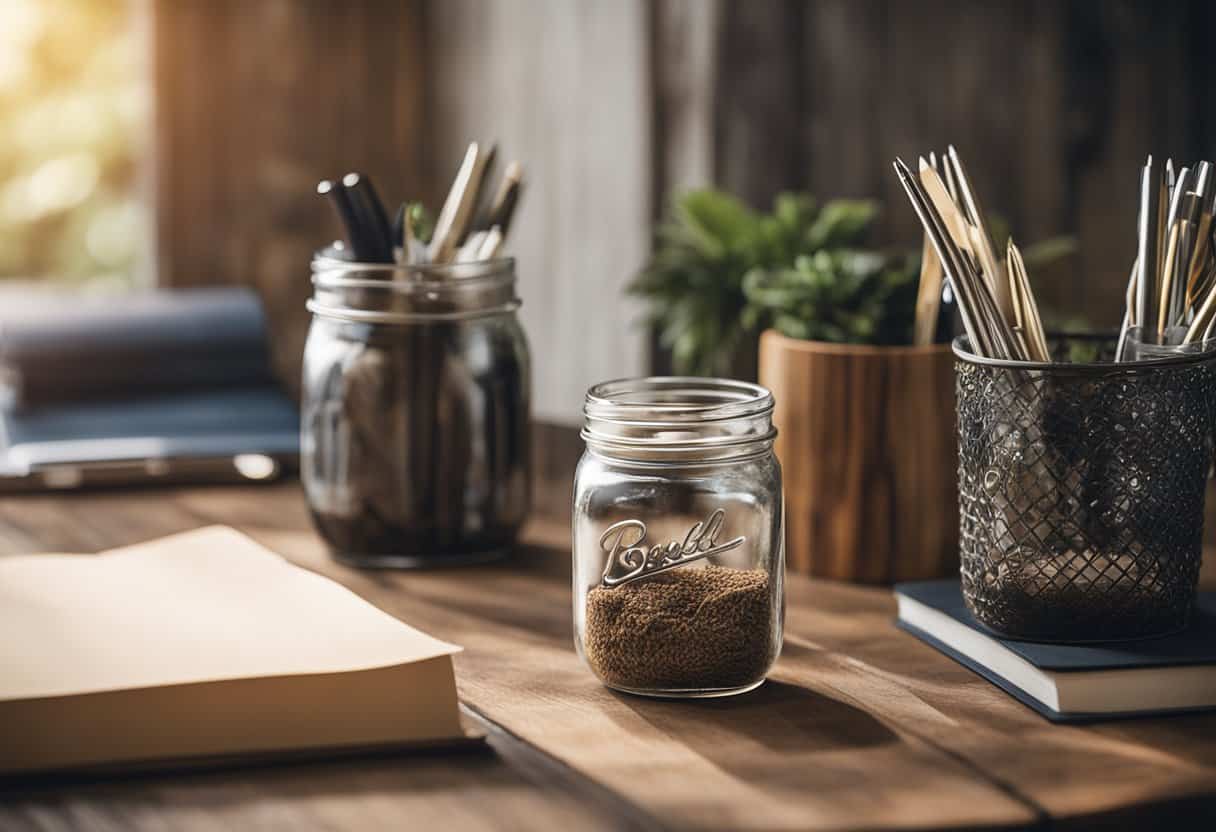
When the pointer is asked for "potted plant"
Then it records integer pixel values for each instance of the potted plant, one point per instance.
(865, 420)
(693, 283)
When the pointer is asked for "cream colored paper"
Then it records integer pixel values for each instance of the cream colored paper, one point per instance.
(206, 623)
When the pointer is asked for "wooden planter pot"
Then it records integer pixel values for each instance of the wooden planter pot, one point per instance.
(868, 448)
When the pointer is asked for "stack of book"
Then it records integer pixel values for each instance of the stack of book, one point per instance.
(1072, 682)
(148, 387)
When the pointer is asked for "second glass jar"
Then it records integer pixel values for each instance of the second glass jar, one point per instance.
(415, 426)
(679, 552)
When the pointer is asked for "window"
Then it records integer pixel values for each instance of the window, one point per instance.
(73, 116)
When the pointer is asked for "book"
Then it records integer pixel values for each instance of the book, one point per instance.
(149, 387)
(204, 646)
(60, 347)
(193, 436)
(1072, 683)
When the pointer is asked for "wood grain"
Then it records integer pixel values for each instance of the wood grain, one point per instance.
(757, 92)
(1053, 106)
(860, 726)
(683, 57)
(256, 102)
(512, 786)
(867, 445)
(562, 87)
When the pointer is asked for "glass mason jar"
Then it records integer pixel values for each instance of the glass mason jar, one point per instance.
(679, 547)
(415, 412)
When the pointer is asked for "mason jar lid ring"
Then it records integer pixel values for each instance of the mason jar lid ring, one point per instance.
(673, 399)
(388, 293)
(678, 417)
(366, 316)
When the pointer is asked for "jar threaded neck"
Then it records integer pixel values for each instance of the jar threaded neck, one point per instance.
(677, 418)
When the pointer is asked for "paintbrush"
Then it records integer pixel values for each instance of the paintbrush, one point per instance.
(1129, 311)
(942, 247)
(986, 309)
(1025, 307)
(457, 209)
(491, 245)
(1188, 225)
(929, 290)
(502, 208)
(1146, 254)
(1204, 318)
(1199, 253)
(1168, 281)
(981, 238)
(928, 295)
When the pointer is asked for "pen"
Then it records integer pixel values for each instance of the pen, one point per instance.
(458, 208)
(356, 239)
(945, 254)
(502, 209)
(1146, 256)
(491, 244)
(369, 211)
(398, 232)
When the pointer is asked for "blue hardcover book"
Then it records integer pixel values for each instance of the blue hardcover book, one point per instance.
(1072, 683)
(146, 388)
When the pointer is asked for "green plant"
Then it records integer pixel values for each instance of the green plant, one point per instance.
(842, 295)
(695, 281)
(721, 271)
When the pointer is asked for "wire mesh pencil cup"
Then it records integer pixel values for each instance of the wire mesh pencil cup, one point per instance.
(1081, 490)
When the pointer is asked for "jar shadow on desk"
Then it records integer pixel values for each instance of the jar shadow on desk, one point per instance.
(779, 717)
(416, 405)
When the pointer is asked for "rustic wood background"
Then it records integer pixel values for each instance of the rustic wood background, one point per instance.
(563, 87)
(614, 105)
(256, 102)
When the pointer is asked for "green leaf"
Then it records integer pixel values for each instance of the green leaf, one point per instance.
(422, 225)
(720, 270)
(715, 222)
(794, 211)
(842, 222)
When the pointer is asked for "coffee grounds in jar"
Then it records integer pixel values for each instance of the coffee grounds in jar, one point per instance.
(685, 628)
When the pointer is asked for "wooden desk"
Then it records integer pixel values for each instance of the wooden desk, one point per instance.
(860, 725)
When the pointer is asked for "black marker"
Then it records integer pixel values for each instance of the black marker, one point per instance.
(398, 232)
(369, 211)
(356, 239)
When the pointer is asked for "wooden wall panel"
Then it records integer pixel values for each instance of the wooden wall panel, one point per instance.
(842, 99)
(897, 79)
(255, 102)
(1053, 105)
(684, 65)
(564, 88)
(757, 91)
(1141, 51)
(613, 105)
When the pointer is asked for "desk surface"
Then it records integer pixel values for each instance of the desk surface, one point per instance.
(859, 726)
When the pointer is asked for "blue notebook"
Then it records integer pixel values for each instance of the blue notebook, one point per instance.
(235, 434)
(146, 388)
(1072, 683)
(62, 348)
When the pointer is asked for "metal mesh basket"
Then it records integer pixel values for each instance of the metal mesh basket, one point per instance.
(1081, 490)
